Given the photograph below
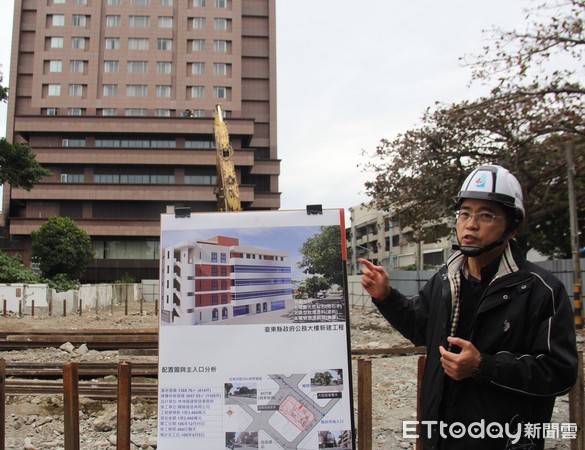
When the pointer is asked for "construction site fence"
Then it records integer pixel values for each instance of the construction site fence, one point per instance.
(409, 282)
(41, 300)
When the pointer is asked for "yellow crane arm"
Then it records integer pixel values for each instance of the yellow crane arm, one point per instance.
(228, 191)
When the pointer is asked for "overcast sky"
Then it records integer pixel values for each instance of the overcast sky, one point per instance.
(353, 72)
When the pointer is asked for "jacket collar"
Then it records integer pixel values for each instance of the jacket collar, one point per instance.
(508, 263)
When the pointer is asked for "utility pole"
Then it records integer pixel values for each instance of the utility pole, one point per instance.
(574, 237)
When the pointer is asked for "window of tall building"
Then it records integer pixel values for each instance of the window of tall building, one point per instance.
(198, 3)
(114, 2)
(137, 66)
(220, 69)
(136, 90)
(75, 111)
(76, 66)
(140, 2)
(197, 91)
(221, 24)
(201, 176)
(58, 20)
(165, 2)
(110, 90)
(164, 67)
(58, 2)
(78, 42)
(80, 2)
(79, 20)
(139, 21)
(220, 3)
(138, 44)
(54, 90)
(221, 46)
(76, 90)
(198, 68)
(72, 178)
(162, 113)
(111, 66)
(198, 45)
(164, 44)
(109, 111)
(197, 113)
(112, 43)
(57, 42)
(165, 22)
(55, 65)
(135, 112)
(198, 23)
(113, 21)
(221, 92)
(163, 91)
(203, 145)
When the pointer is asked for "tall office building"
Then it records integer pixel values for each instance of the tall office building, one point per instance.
(116, 98)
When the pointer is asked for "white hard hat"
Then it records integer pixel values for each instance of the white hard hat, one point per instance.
(493, 183)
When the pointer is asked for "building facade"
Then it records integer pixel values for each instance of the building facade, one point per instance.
(218, 279)
(373, 235)
(116, 98)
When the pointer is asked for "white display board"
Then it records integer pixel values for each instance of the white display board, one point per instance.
(246, 360)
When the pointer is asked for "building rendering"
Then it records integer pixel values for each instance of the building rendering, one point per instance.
(116, 99)
(219, 279)
(375, 236)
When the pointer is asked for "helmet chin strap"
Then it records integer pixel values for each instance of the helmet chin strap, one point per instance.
(476, 251)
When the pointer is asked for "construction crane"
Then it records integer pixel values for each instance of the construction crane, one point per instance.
(227, 190)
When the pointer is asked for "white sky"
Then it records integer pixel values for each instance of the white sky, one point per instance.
(351, 73)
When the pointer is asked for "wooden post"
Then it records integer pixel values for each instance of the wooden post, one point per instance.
(2, 404)
(32, 310)
(364, 404)
(64, 307)
(124, 403)
(71, 405)
(576, 414)
(80, 306)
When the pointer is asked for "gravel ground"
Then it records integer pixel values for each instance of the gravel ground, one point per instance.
(37, 422)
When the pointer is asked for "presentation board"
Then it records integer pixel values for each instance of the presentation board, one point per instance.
(249, 355)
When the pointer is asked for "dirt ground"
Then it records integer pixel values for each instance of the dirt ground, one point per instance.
(36, 422)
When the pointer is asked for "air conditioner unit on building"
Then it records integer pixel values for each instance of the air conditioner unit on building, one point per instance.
(63, 178)
(65, 143)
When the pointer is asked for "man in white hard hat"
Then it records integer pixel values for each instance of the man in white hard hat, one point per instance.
(499, 330)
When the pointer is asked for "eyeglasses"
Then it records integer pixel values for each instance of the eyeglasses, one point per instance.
(482, 217)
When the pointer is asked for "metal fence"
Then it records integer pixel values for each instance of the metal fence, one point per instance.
(409, 282)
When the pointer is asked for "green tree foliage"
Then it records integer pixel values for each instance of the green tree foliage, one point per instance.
(18, 166)
(314, 284)
(61, 247)
(535, 110)
(3, 90)
(12, 270)
(321, 255)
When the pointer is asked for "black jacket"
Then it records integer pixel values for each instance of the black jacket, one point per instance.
(524, 328)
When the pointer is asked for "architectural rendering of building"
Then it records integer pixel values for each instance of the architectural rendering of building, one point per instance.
(116, 99)
(219, 279)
